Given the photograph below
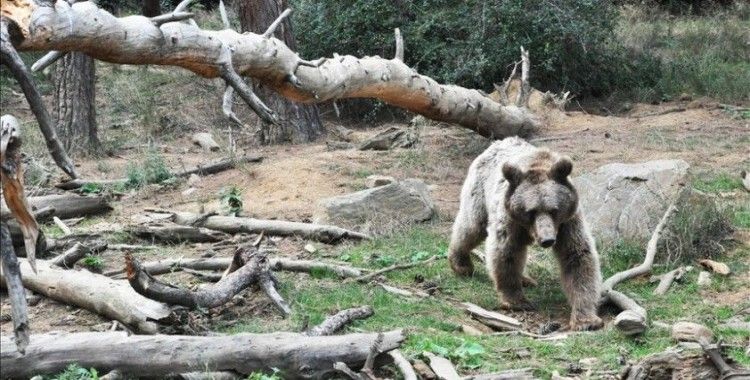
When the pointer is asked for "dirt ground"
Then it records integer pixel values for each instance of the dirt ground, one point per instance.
(293, 178)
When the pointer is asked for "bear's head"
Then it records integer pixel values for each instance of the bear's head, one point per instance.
(541, 198)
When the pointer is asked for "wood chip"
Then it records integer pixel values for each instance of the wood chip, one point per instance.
(492, 318)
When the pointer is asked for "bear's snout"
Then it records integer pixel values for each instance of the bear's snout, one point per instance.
(545, 230)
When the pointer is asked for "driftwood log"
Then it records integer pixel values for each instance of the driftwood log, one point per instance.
(68, 206)
(231, 224)
(296, 356)
(207, 169)
(177, 234)
(113, 299)
(227, 54)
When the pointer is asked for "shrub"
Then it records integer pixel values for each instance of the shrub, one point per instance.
(153, 169)
(474, 43)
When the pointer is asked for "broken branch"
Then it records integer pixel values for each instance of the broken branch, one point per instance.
(337, 321)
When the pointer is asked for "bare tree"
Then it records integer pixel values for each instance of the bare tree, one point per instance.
(75, 108)
(299, 122)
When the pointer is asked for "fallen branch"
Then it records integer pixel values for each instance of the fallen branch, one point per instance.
(177, 234)
(233, 225)
(70, 257)
(268, 60)
(370, 276)
(403, 365)
(68, 206)
(254, 269)
(13, 61)
(442, 367)
(665, 280)
(62, 226)
(112, 299)
(219, 264)
(492, 319)
(337, 321)
(295, 356)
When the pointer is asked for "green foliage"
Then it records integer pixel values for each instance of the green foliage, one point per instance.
(91, 188)
(94, 263)
(475, 43)
(76, 372)
(718, 183)
(263, 376)
(153, 169)
(231, 199)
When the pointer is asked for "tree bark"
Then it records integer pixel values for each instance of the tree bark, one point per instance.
(137, 40)
(75, 108)
(67, 206)
(151, 8)
(299, 122)
(295, 355)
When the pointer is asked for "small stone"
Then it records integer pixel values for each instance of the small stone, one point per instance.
(471, 330)
(378, 180)
(194, 179)
(704, 279)
(189, 191)
(309, 248)
(522, 353)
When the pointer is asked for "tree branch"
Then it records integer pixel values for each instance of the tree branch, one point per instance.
(16, 294)
(275, 24)
(337, 321)
(10, 58)
(47, 60)
(171, 17)
(224, 17)
(399, 45)
(246, 92)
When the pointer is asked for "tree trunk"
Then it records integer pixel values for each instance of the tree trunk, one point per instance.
(299, 122)
(75, 108)
(151, 8)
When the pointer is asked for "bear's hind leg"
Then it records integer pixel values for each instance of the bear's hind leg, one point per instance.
(506, 259)
(581, 278)
(468, 231)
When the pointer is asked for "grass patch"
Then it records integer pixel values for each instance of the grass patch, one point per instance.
(153, 169)
(434, 324)
(719, 183)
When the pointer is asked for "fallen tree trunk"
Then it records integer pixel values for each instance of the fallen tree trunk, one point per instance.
(210, 168)
(231, 224)
(295, 356)
(113, 299)
(226, 53)
(177, 234)
(68, 206)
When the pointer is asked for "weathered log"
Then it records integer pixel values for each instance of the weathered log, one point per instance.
(205, 141)
(136, 40)
(70, 257)
(337, 321)
(511, 374)
(672, 364)
(296, 356)
(666, 280)
(491, 318)
(633, 318)
(691, 332)
(442, 367)
(69, 205)
(233, 225)
(177, 234)
(222, 263)
(113, 299)
(210, 168)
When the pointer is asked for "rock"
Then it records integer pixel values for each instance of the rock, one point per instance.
(745, 180)
(626, 201)
(189, 191)
(309, 248)
(391, 138)
(378, 180)
(704, 279)
(406, 201)
(205, 141)
(471, 330)
(342, 133)
(194, 179)
(691, 332)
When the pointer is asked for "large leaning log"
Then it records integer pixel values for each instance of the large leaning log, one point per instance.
(227, 54)
(68, 206)
(296, 356)
(233, 225)
(113, 299)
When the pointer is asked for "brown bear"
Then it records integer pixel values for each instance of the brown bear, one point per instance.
(516, 194)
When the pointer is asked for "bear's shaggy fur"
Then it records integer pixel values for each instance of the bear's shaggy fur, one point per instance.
(514, 195)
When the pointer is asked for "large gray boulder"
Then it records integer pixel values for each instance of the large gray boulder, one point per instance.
(626, 201)
(379, 208)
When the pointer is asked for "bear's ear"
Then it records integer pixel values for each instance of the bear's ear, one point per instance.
(512, 174)
(561, 169)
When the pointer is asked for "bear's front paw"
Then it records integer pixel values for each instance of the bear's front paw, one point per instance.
(517, 304)
(461, 266)
(586, 323)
